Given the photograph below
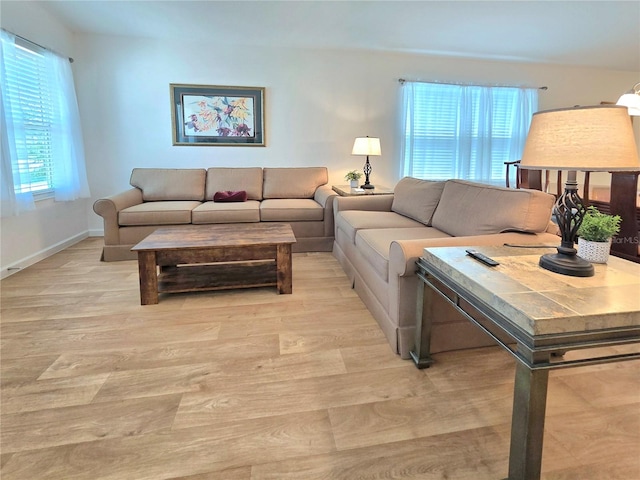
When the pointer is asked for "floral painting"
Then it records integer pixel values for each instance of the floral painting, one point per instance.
(212, 115)
(222, 116)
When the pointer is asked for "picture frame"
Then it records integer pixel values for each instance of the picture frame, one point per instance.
(213, 115)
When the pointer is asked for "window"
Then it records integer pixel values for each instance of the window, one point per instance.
(29, 89)
(468, 132)
(42, 149)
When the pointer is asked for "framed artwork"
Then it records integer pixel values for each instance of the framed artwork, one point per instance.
(217, 115)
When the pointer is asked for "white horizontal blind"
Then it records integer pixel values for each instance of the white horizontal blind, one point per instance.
(30, 93)
(468, 132)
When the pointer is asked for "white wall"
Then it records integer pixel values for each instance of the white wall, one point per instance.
(317, 102)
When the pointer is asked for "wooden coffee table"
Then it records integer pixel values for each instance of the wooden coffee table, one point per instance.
(215, 257)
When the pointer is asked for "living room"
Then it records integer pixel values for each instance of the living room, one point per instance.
(318, 99)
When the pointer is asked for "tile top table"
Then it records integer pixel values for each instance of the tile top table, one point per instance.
(545, 314)
(541, 302)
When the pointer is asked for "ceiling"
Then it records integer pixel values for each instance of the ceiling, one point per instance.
(604, 34)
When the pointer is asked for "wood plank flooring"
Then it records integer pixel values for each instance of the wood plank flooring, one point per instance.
(252, 385)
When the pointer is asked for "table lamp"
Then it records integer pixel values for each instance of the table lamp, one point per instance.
(598, 138)
(631, 100)
(366, 146)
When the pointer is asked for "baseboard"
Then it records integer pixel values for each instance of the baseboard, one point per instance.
(42, 254)
(96, 232)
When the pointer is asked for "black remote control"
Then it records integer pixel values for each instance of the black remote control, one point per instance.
(483, 258)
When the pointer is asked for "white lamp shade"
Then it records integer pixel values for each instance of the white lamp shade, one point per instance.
(632, 102)
(366, 146)
(597, 138)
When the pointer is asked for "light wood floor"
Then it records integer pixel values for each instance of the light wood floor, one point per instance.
(253, 385)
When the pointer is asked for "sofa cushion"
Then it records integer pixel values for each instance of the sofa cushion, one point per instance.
(374, 244)
(226, 212)
(293, 182)
(157, 213)
(230, 196)
(290, 210)
(158, 184)
(468, 208)
(247, 179)
(350, 221)
(417, 199)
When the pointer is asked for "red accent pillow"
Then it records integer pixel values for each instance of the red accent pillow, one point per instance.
(230, 196)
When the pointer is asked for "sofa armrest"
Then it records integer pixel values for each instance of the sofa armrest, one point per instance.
(376, 203)
(381, 203)
(108, 209)
(325, 196)
(553, 227)
(403, 254)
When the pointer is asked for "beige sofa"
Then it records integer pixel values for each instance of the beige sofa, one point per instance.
(379, 238)
(165, 197)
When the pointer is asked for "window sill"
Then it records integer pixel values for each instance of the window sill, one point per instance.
(43, 195)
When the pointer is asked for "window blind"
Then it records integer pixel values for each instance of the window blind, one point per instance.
(460, 131)
(29, 91)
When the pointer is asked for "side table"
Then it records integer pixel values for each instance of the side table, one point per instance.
(544, 313)
(347, 191)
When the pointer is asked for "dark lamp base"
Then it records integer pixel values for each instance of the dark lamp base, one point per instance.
(367, 186)
(566, 265)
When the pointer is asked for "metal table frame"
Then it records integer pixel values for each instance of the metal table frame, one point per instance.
(536, 355)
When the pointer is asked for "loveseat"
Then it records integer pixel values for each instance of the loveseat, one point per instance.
(379, 238)
(163, 197)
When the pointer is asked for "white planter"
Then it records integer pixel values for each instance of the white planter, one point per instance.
(354, 184)
(594, 252)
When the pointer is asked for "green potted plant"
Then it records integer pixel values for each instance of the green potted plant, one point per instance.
(353, 176)
(595, 234)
